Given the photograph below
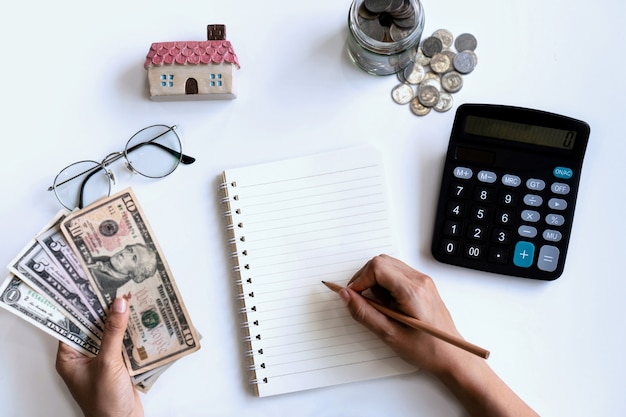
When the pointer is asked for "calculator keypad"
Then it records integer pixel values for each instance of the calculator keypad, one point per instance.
(504, 219)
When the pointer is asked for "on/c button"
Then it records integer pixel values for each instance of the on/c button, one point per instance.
(524, 254)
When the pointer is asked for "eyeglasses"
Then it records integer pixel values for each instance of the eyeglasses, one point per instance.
(154, 152)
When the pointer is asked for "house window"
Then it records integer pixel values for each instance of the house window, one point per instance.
(167, 80)
(214, 83)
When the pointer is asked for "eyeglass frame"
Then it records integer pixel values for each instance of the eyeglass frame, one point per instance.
(115, 156)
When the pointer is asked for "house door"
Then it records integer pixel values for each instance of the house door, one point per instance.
(191, 86)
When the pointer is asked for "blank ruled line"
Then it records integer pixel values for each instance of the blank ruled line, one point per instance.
(250, 197)
(306, 177)
(319, 221)
(328, 327)
(250, 212)
(269, 354)
(320, 266)
(391, 355)
(361, 331)
(323, 356)
(291, 260)
(359, 232)
(307, 240)
(309, 249)
(312, 213)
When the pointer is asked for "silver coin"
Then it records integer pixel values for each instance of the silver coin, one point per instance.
(464, 62)
(406, 23)
(445, 103)
(465, 42)
(432, 46)
(433, 80)
(428, 95)
(414, 73)
(451, 54)
(418, 108)
(373, 29)
(420, 58)
(365, 13)
(440, 63)
(473, 54)
(402, 93)
(452, 81)
(397, 33)
(445, 36)
(377, 6)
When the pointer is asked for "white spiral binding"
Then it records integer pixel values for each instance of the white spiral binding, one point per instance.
(241, 282)
(256, 381)
(254, 353)
(256, 367)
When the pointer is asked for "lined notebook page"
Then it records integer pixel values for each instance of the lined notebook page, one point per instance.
(294, 224)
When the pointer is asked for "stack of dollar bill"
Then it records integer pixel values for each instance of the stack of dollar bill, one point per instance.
(66, 277)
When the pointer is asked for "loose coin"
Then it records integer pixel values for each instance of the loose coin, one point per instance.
(402, 93)
(464, 62)
(445, 36)
(440, 63)
(452, 81)
(465, 42)
(428, 95)
(445, 103)
(432, 46)
(450, 53)
(418, 108)
(422, 59)
(414, 74)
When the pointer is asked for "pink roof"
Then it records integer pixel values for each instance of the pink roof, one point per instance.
(191, 53)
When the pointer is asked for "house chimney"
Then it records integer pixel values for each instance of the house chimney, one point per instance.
(216, 32)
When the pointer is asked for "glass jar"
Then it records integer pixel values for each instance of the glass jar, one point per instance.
(384, 34)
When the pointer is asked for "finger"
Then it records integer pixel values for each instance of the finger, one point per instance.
(114, 329)
(365, 314)
(380, 270)
(358, 273)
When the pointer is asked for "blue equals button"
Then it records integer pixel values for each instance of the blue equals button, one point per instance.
(524, 254)
(563, 173)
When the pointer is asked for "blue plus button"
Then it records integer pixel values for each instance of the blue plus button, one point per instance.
(563, 173)
(524, 254)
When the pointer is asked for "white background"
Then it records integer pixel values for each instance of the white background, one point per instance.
(74, 87)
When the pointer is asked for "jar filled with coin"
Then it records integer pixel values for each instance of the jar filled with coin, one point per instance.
(384, 34)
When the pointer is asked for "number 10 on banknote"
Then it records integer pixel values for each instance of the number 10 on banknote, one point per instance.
(122, 258)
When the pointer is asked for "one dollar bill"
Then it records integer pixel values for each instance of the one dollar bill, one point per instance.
(122, 258)
(20, 299)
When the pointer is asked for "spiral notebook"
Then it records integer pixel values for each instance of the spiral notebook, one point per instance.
(291, 225)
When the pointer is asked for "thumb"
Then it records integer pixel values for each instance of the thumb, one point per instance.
(114, 329)
(364, 313)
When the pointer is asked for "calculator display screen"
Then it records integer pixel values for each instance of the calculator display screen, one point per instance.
(520, 132)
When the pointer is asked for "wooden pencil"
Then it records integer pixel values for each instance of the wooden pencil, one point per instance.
(420, 325)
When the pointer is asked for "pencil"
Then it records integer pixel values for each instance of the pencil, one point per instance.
(420, 325)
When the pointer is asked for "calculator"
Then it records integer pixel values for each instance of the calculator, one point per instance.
(508, 190)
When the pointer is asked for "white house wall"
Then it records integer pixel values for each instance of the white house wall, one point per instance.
(215, 81)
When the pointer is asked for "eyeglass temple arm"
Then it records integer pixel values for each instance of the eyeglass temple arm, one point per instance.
(184, 159)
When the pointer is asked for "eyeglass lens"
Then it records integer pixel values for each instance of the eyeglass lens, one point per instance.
(154, 151)
(82, 183)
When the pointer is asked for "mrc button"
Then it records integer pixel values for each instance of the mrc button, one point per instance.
(563, 173)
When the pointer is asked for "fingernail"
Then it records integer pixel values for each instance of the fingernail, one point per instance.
(119, 305)
(344, 295)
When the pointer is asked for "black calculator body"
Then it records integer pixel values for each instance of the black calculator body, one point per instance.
(508, 191)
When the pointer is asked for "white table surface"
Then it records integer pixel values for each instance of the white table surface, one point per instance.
(74, 87)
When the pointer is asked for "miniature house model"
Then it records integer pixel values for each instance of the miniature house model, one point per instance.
(193, 70)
